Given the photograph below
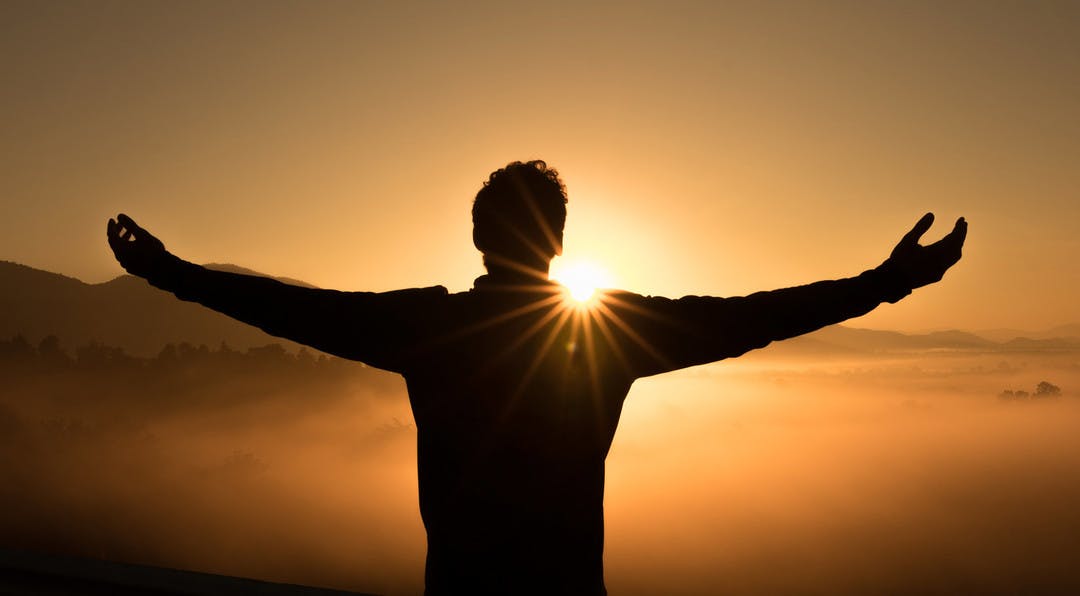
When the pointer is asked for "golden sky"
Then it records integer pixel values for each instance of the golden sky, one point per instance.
(708, 148)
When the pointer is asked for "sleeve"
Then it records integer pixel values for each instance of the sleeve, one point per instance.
(656, 334)
(379, 329)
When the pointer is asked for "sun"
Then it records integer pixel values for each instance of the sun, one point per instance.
(580, 278)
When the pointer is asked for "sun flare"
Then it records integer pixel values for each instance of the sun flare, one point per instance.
(580, 278)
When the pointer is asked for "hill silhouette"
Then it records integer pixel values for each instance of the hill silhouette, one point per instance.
(125, 312)
(840, 338)
(1058, 332)
(36, 573)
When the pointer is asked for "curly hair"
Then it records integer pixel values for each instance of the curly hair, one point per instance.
(520, 212)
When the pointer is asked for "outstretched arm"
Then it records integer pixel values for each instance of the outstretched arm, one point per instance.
(357, 325)
(664, 334)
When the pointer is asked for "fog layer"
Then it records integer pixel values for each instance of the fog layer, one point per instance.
(893, 475)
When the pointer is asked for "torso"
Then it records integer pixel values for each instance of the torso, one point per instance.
(516, 400)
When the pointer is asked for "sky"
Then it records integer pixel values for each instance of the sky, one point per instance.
(708, 148)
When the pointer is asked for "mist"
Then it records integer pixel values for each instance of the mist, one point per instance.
(764, 475)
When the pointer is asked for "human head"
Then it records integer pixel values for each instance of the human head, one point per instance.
(518, 217)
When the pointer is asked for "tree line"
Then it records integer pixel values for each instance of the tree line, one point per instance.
(48, 354)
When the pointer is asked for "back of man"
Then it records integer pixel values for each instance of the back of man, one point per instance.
(516, 403)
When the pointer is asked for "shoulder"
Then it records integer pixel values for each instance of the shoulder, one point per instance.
(643, 309)
(411, 300)
(429, 293)
(632, 300)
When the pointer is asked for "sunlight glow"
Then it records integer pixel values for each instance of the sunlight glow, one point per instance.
(581, 278)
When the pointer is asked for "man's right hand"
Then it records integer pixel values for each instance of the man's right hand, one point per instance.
(137, 250)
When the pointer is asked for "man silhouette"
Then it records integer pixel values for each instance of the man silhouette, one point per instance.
(516, 390)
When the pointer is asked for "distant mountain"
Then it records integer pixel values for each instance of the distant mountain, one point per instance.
(129, 313)
(26, 572)
(1071, 330)
(1006, 335)
(125, 312)
(840, 340)
(1049, 344)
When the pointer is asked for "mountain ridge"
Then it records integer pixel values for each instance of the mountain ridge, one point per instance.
(125, 312)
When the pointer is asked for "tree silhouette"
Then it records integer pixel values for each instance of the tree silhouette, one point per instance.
(1047, 389)
(51, 355)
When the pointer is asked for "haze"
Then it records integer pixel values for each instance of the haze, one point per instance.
(898, 474)
(709, 148)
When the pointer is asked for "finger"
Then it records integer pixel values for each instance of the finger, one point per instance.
(950, 248)
(129, 224)
(920, 228)
(140, 233)
(115, 243)
(959, 232)
(955, 239)
(112, 232)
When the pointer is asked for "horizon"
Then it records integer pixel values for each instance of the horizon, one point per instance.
(847, 325)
